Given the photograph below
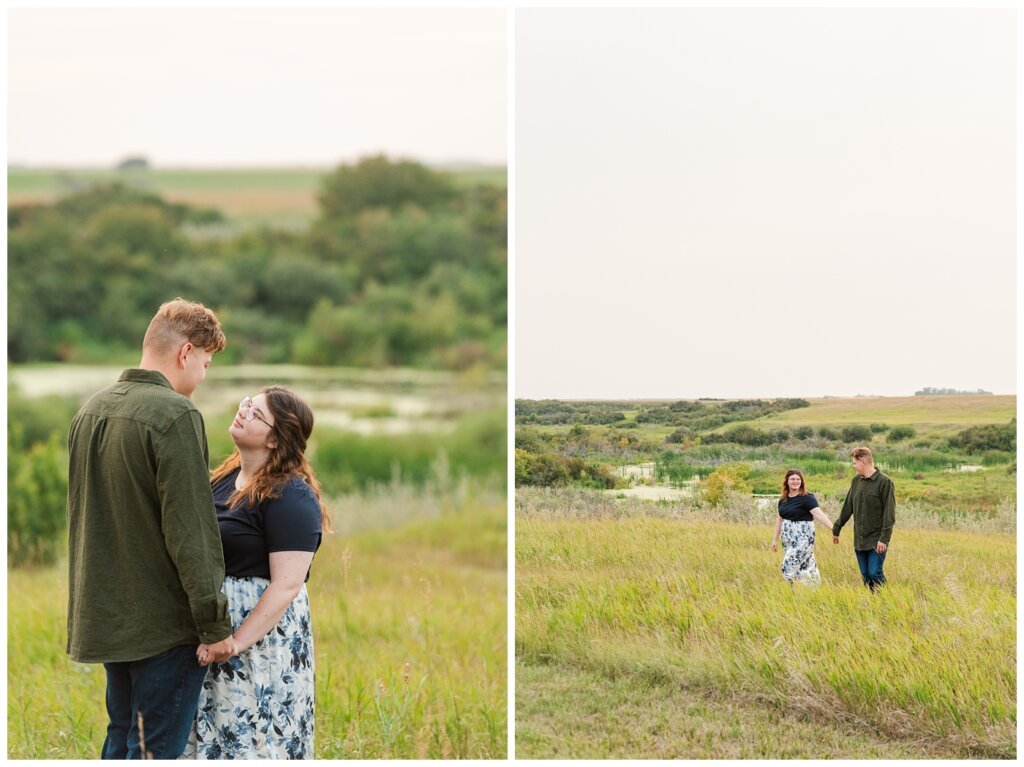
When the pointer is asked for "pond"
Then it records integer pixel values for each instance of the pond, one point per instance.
(364, 401)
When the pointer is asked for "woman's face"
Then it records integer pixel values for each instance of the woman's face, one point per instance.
(253, 424)
(795, 482)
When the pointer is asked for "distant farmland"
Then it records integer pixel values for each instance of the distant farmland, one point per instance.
(248, 197)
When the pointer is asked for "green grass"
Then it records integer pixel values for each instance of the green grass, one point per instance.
(691, 612)
(938, 416)
(418, 608)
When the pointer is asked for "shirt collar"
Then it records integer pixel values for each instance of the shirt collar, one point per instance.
(140, 375)
(873, 477)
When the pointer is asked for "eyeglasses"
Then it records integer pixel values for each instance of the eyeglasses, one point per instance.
(250, 411)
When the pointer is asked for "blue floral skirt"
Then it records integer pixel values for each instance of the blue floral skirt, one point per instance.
(798, 542)
(259, 705)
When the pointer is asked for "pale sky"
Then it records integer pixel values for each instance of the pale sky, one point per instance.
(744, 203)
(270, 87)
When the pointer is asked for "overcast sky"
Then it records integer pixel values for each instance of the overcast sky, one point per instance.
(732, 203)
(229, 87)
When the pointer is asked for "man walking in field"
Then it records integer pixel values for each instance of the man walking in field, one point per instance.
(146, 565)
(872, 504)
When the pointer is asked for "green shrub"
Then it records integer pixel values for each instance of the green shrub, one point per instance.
(37, 491)
(803, 432)
(978, 439)
(725, 481)
(878, 428)
(900, 433)
(856, 433)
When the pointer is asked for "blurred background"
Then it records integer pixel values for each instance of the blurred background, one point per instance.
(333, 184)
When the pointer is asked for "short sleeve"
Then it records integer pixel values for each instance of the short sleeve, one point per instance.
(293, 522)
(811, 502)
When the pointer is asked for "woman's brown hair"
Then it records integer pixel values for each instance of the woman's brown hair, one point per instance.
(293, 423)
(785, 484)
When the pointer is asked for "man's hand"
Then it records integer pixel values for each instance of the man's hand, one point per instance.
(217, 653)
(835, 539)
(881, 547)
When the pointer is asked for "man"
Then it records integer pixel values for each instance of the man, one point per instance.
(146, 564)
(872, 504)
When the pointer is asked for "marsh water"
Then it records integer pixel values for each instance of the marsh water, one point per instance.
(391, 401)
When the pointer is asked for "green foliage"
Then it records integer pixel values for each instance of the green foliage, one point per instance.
(37, 491)
(673, 467)
(856, 433)
(803, 432)
(403, 267)
(552, 469)
(377, 182)
(978, 439)
(828, 433)
(347, 462)
(696, 415)
(878, 428)
(725, 481)
(900, 433)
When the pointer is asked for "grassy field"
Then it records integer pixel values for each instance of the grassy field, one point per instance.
(667, 632)
(926, 470)
(281, 198)
(936, 415)
(409, 620)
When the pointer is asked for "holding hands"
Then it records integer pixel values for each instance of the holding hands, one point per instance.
(220, 652)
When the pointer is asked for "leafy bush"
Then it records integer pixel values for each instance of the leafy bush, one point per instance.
(856, 433)
(900, 433)
(725, 481)
(37, 491)
(978, 439)
(826, 433)
(803, 432)
(878, 428)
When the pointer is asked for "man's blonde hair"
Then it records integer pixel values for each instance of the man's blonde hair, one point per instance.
(862, 452)
(179, 321)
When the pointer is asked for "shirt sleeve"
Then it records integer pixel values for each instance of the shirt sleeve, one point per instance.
(189, 523)
(293, 521)
(888, 512)
(845, 514)
(811, 503)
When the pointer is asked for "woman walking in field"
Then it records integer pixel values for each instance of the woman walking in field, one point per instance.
(797, 511)
(259, 705)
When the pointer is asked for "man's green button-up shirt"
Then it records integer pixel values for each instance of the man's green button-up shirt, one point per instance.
(146, 563)
(872, 504)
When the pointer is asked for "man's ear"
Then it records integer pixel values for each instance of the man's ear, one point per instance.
(183, 352)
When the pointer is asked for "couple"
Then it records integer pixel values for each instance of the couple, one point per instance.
(196, 662)
(871, 502)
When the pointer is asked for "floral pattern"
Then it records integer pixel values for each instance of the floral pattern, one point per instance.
(259, 705)
(798, 563)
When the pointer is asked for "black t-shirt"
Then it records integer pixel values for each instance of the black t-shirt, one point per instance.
(290, 522)
(798, 508)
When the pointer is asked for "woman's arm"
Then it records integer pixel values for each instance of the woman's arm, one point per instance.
(819, 515)
(287, 573)
(778, 532)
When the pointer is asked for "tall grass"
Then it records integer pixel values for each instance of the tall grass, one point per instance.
(409, 628)
(657, 594)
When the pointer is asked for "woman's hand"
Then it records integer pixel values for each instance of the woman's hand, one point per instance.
(775, 545)
(220, 652)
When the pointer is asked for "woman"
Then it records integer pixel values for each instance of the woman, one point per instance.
(797, 511)
(259, 704)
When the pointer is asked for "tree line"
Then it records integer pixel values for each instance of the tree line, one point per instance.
(402, 266)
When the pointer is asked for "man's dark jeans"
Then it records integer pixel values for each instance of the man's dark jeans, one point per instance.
(165, 690)
(871, 563)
